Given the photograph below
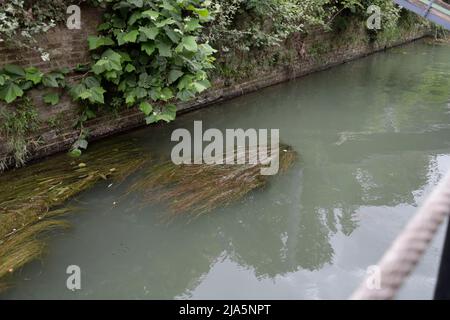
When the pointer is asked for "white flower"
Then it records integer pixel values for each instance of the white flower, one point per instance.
(45, 56)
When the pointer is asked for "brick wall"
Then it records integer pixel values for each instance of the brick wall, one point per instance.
(68, 48)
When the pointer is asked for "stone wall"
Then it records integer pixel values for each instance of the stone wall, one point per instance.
(313, 52)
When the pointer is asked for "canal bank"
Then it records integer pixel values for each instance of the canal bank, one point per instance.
(301, 54)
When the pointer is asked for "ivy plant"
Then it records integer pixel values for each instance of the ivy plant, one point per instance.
(20, 119)
(15, 81)
(148, 54)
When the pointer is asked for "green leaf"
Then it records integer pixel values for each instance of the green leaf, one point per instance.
(130, 68)
(151, 119)
(130, 98)
(89, 114)
(137, 3)
(185, 82)
(82, 67)
(164, 49)
(104, 26)
(146, 108)
(112, 55)
(166, 5)
(151, 14)
(145, 81)
(76, 90)
(51, 98)
(110, 60)
(50, 80)
(155, 93)
(97, 42)
(34, 75)
(168, 114)
(148, 47)
(25, 85)
(91, 82)
(134, 17)
(203, 13)
(189, 43)
(13, 69)
(75, 153)
(10, 92)
(207, 49)
(175, 37)
(185, 95)
(131, 36)
(2, 80)
(125, 56)
(174, 75)
(192, 25)
(85, 94)
(150, 33)
(111, 75)
(118, 22)
(165, 22)
(166, 94)
(119, 37)
(140, 92)
(201, 86)
(97, 95)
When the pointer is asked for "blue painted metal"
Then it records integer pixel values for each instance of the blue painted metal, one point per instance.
(427, 11)
(430, 11)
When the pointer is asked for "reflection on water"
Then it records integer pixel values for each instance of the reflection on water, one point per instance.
(373, 139)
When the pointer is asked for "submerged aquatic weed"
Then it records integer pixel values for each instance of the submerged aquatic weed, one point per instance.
(200, 188)
(30, 197)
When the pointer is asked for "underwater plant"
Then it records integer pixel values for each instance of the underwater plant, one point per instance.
(33, 199)
(200, 188)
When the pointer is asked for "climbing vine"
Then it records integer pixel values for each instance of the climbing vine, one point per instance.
(148, 54)
(15, 81)
(20, 120)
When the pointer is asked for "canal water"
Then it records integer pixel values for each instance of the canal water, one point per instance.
(373, 138)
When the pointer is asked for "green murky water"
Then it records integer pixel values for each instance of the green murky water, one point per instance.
(373, 137)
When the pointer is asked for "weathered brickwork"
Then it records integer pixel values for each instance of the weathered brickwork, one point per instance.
(69, 48)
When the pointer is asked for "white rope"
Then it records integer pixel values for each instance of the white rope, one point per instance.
(407, 250)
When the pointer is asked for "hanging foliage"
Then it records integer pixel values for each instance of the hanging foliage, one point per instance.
(148, 54)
